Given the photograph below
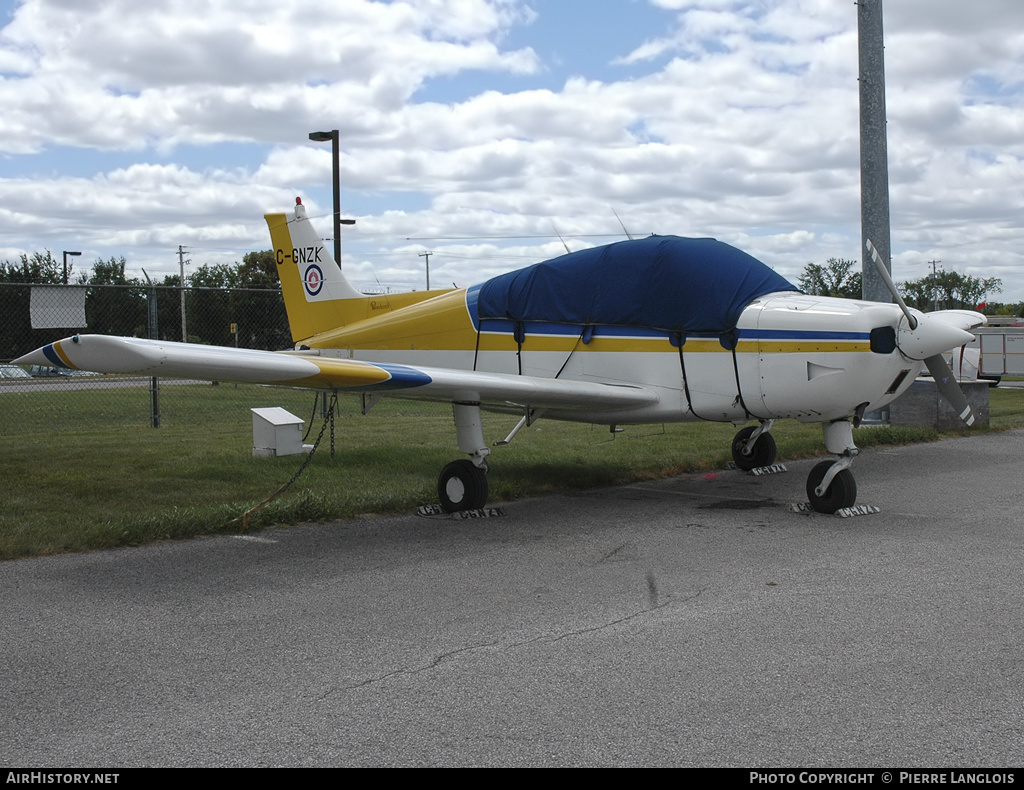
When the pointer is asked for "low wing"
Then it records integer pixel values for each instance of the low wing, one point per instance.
(138, 357)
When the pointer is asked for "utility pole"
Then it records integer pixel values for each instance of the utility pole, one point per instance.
(427, 256)
(935, 284)
(181, 263)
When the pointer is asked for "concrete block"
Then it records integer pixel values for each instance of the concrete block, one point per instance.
(923, 404)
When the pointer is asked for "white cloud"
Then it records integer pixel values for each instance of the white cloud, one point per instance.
(118, 72)
(740, 122)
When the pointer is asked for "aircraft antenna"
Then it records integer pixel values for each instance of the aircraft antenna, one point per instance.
(623, 224)
(560, 238)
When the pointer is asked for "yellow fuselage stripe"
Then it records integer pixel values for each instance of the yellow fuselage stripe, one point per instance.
(442, 323)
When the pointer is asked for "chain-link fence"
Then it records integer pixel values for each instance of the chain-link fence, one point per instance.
(56, 398)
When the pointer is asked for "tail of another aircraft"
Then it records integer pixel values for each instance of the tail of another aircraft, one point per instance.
(317, 296)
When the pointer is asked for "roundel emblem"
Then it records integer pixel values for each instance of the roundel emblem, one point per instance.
(314, 279)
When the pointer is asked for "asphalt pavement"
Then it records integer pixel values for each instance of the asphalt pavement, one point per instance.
(695, 621)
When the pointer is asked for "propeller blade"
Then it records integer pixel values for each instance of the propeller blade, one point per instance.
(949, 388)
(884, 274)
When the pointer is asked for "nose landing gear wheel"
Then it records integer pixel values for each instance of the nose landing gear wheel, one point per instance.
(764, 452)
(842, 493)
(462, 486)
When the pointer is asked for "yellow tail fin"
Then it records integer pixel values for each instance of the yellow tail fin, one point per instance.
(317, 296)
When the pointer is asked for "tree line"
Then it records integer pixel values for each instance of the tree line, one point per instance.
(243, 296)
(257, 270)
(246, 296)
(942, 289)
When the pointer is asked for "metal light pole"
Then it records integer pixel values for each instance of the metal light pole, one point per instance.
(323, 137)
(66, 254)
(874, 157)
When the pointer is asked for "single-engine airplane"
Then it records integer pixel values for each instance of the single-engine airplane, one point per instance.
(652, 330)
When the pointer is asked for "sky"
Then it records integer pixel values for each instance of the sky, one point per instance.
(496, 133)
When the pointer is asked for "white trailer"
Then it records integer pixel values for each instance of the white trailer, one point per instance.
(1001, 350)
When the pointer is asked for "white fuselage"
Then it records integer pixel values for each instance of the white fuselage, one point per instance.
(799, 356)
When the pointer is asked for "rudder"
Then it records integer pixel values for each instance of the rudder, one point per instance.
(317, 296)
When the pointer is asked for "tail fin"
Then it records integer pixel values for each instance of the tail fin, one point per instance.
(316, 294)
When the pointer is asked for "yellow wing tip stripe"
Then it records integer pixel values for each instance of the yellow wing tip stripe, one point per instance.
(347, 373)
(64, 357)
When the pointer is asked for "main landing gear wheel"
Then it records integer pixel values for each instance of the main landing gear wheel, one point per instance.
(462, 486)
(842, 493)
(763, 454)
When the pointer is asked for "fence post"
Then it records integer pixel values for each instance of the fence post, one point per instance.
(154, 383)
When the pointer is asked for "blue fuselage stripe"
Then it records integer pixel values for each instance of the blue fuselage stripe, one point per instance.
(51, 354)
(506, 326)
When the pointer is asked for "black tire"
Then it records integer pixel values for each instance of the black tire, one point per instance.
(764, 453)
(462, 486)
(842, 493)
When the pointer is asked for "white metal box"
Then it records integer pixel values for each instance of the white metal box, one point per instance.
(276, 431)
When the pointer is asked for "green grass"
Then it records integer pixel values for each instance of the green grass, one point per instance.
(83, 470)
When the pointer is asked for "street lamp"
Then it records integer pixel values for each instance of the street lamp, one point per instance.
(66, 254)
(323, 137)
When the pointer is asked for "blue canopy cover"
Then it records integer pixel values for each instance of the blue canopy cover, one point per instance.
(662, 282)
